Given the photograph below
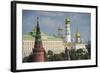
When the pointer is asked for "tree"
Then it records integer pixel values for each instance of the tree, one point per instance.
(62, 55)
(28, 58)
(50, 52)
(73, 54)
(58, 57)
(31, 33)
(25, 59)
(79, 54)
(54, 57)
(50, 55)
(88, 47)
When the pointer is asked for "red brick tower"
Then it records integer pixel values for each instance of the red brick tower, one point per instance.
(38, 50)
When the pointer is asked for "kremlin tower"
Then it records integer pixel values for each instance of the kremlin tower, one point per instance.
(67, 26)
(38, 50)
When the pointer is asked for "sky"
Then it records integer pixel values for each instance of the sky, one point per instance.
(50, 21)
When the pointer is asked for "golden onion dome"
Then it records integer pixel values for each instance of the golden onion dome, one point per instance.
(78, 34)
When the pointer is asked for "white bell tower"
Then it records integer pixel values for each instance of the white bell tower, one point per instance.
(67, 27)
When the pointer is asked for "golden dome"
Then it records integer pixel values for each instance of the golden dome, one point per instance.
(78, 34)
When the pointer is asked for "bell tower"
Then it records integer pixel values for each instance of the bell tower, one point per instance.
(38, 50)
(67, 27)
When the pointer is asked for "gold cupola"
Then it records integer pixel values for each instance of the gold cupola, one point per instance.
(78, 34)
(78, 37)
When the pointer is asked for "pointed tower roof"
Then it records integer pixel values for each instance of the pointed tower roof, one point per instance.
(37, 27)
(38, 42)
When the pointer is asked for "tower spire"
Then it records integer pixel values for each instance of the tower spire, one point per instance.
(38, 33)
(37, 21)
(38, 50)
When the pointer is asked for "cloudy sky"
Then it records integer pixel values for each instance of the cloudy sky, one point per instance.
(51, 21)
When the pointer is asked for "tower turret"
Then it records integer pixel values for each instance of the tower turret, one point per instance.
(38, 50)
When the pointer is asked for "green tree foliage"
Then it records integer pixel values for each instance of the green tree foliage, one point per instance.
(31, 33)
(50, 52)
(55, 57)
(79, 54)
(28, 58)
(73, 54)
(50, 55)
(62, 54)
(58, 57)
(88, 47)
